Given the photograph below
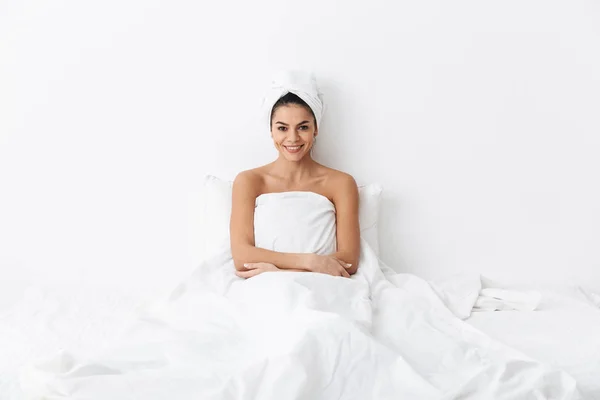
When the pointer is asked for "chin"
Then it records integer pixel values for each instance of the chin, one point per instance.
(290, 157)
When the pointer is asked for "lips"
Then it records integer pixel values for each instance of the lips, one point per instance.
(293, 149)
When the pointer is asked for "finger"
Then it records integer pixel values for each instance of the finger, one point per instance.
(248, 274)
(251, 265)
(241, 274)
(343, 264)
(345, 273)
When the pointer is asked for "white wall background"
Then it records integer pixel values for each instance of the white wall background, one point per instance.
(479, 118)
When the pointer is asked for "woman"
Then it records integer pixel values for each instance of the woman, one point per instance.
(294, 126)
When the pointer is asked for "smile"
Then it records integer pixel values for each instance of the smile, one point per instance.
(293, 149)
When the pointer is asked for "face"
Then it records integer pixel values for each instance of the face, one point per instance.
(293, 131)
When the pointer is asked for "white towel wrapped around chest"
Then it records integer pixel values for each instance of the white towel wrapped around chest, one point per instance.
(295, 222)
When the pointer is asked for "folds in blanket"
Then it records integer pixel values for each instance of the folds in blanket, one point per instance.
(464, 293)
(495, 299)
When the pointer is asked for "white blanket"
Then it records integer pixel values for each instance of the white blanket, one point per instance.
(495, 299)
(298, 335)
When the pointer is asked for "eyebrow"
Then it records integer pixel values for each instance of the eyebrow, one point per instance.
(283, 123)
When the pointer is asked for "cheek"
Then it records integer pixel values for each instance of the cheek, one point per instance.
(308, 136)
(277, 139)
(278, 136)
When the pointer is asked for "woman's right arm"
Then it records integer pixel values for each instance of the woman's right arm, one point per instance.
(245, 191)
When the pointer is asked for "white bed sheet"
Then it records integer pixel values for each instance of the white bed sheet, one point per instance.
(564, 332)
(48, 317)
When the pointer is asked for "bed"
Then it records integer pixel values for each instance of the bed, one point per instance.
(45, 318)
(39, 320)
(564, 331)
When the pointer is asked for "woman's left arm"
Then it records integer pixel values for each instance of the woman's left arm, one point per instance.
(345, 198)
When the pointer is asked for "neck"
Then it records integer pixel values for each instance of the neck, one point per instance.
(294, 171)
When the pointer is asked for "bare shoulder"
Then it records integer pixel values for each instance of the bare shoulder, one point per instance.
(340, 183)
(250, 181)
(250, 175)
(339, 178)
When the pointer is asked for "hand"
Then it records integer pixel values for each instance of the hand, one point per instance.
(327, 265)
(255, 269)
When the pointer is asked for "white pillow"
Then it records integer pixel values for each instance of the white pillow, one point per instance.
(215, 211)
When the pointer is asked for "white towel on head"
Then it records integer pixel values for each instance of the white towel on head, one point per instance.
(302, 84)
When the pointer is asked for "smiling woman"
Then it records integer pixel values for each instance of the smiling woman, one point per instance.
(299, 136)
(295, 111)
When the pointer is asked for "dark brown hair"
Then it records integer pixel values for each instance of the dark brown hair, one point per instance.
(290, 98)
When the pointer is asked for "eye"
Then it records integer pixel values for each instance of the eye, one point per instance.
(282, 128)
(304, 127)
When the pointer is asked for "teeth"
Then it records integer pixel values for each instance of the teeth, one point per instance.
(293, 148)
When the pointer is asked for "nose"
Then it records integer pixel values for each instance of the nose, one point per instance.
(293, 135)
